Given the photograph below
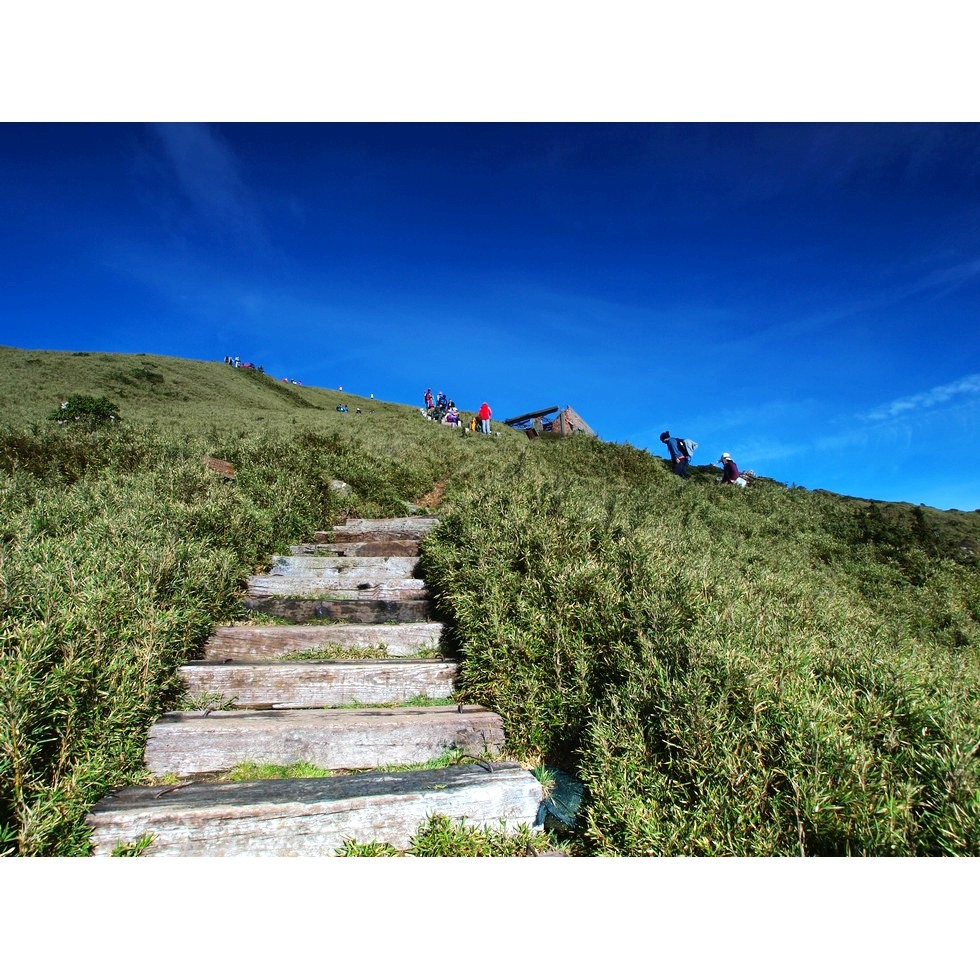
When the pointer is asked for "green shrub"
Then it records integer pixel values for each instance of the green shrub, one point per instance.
(88, 411)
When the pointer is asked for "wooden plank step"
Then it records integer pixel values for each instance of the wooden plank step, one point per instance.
(389, 548)
(377, 534)
(411, 524)
(313, 684)
(337, 587)
(263, 643)
(343, 610)
(310, 817)
(341, 566)
(185, 743)
(378, 530)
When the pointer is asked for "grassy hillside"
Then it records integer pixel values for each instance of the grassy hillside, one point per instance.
(771, 671)
(151, 388)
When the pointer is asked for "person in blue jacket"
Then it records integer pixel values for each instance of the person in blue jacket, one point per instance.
(677, 456)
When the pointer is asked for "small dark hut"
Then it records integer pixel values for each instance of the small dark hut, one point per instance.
(564, 423)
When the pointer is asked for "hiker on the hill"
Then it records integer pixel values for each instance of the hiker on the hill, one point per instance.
(677, 455)
(441, 401)
(484, 416)
(730, 472)
(428, 398)
(452, 415)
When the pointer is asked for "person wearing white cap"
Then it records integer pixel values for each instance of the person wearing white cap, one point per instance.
(731, 474)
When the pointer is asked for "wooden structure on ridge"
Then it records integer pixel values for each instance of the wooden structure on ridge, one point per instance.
(566, 422)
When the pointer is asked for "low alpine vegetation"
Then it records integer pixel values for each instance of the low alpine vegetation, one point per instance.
(728, 673)
(768, 672)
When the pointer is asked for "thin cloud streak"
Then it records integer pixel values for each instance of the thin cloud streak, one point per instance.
(209, 175)
(969, 385)
(942, 281)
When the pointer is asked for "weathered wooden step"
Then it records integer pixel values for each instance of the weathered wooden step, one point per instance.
(377, 536)
(340, 566)
(185, 743)
(391, 548)
(311, 817)
(356, 529)
(343, 611)
(312, 684)
(258, 643)
(352, 533)
(336, 587)
(410, 525)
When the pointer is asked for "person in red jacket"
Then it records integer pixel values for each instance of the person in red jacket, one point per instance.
(484, 417)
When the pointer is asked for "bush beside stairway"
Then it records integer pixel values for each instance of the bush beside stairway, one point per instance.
(355, 592)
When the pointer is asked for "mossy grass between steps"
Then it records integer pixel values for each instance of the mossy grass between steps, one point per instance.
(420, 701)
(443, 837)
(248, 771)
(335, 651)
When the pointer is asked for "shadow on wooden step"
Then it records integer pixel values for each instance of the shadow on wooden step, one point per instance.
(311, 817)
(344, 611)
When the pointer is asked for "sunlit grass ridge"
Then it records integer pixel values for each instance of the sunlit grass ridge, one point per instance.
(762, 672)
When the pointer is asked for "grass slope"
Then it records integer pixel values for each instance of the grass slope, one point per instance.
(763, 672)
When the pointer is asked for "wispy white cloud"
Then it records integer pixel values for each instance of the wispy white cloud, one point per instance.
(939, 282)
(939, 395)
(210, 177)
(947, 279)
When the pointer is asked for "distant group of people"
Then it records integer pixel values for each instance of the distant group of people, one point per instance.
(443, 409)
(681, 450)
(237, 362)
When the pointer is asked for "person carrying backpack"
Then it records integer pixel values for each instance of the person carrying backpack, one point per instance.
(680, 452)
(484, 415)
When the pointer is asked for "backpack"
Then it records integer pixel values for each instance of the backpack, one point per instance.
(687, 447)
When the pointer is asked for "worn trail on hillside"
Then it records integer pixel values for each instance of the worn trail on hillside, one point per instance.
(317, 690)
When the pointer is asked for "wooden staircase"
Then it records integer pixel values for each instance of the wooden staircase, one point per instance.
(261, 705)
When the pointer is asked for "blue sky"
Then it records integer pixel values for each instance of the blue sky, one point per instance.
(803, 296)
